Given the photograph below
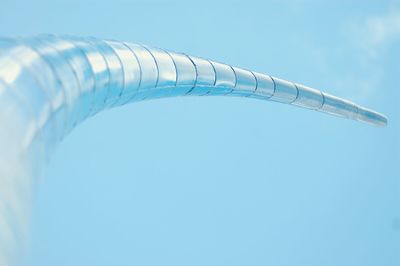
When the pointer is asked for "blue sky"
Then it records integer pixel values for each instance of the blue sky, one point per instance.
(228, 181)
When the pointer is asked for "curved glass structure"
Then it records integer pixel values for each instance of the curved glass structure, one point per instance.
(50, 84)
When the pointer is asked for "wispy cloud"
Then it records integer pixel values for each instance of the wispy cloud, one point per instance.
(369, 40)
(383, 29)
(375, 33)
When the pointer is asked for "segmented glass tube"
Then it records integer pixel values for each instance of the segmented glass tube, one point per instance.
(49, 84)
(63, 80)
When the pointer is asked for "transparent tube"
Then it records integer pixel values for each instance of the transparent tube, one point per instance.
(50, 84)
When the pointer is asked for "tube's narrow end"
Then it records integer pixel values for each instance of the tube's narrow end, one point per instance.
(372, 117)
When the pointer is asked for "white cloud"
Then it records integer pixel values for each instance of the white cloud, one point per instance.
(383, 29)
(366, 45)
(375, 33)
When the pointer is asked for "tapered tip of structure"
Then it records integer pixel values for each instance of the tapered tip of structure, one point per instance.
(372, 117)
